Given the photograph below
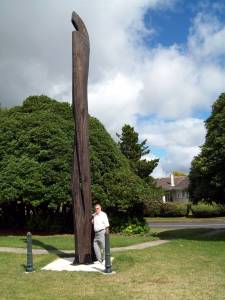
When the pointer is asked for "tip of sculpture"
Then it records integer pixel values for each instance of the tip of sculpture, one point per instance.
(74, 20)
(74, 16)
(78, 23)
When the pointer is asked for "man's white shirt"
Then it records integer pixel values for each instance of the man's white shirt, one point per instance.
(100, 221)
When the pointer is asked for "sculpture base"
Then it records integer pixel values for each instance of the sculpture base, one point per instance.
(66, 264)
(84, 260)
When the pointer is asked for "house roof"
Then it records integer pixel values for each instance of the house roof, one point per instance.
(180, 183)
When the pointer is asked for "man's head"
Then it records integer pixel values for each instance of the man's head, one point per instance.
(98, 208)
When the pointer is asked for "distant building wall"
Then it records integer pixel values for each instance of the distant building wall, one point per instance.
(176, 196)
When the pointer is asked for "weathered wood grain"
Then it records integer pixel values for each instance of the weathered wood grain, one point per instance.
(81, 179)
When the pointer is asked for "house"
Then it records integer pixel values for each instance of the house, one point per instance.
(175, 187)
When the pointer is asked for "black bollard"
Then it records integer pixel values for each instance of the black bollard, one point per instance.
(29, 267)
(108, 266)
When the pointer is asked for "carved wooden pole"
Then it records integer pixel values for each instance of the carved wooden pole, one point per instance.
(81, 179)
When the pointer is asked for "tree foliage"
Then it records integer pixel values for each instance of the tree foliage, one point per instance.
(36, 146)
(134, 151)
(207, 175)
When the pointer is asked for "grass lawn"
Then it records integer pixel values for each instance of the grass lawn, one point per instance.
(188, 267)
(66, 241)
(187, 219)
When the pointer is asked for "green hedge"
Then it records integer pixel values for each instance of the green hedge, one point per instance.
(172, 209)
(168, 209)
(153, 209)
(203, 210)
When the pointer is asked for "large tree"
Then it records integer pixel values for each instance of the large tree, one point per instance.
(35, 158)
(36, 146)
(207, 175)
(134, 151)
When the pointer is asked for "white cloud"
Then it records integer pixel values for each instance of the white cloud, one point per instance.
(159, 171)
(178, 158)
(114, 101)
(185, 132)
(180, 139)
(206, 40)
(40, 33)
(171, 84)
(126, 78)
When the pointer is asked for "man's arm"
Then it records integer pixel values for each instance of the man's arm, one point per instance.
(106, 222)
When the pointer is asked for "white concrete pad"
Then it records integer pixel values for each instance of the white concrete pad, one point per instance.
(66, 264)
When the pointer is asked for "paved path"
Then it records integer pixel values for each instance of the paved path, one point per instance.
(61, 252)
(140, 246)
(214, 225)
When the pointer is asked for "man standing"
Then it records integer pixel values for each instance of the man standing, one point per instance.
(101, 225)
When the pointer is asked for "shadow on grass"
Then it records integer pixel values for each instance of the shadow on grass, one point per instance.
(200, 234)
(49, 248)
(24, 267)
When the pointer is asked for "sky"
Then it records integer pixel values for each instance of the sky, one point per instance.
(157, 65)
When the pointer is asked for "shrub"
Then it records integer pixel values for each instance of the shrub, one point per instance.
(172, 209)
(135, 229)
(203, 210)
(127, 224)
(168, 209)
(153, 209)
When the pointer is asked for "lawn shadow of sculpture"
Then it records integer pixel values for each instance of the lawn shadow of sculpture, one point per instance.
(49, 248)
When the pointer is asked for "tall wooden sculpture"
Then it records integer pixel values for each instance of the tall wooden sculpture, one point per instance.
(81, 179)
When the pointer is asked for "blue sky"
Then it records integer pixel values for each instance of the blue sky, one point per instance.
(172, 25)
(157, 65)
